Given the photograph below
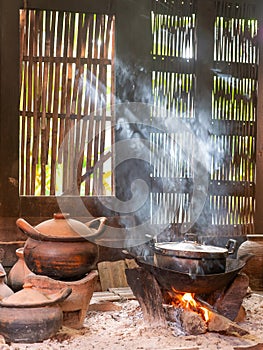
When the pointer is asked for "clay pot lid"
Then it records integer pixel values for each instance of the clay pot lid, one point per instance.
(62, 226)
(29, 297)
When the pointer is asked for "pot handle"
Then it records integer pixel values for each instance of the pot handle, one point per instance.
(28, 229)
(101, 227)
(191, 237)
(62, 295)
(231, 246)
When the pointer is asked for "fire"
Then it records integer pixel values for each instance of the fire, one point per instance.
(187, 301)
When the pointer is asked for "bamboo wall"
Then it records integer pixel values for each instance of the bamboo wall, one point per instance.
(60, 51)
(229, 121)
(66, 84)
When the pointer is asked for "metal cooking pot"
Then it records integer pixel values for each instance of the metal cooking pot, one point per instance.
(192, 257)
(61, 248)
(200, 284)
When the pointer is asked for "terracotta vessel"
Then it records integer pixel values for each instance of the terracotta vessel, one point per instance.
(29, 316)
(76, 305)
(61, 248)
(5, 291)
(254, 267)
(18, 272)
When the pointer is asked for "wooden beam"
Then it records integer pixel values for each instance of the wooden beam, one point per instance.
(205, 18)
(91, 6)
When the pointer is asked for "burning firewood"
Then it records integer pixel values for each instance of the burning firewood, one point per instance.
(188, 321)
(221, 324)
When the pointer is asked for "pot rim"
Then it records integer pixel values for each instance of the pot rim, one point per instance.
(190, 249)
(11, 302)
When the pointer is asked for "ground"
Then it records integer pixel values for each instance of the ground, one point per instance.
(124, 328)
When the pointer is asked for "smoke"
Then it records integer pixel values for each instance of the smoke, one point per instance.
(158, 157)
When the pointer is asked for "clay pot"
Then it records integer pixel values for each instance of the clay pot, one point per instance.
(18, 272)
(254, 267)
(29, 316)
(61, 248)
(76, 305)
(5, 291)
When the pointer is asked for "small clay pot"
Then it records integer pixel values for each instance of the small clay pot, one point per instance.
(29, 316)
(76, 305)
(18, 272)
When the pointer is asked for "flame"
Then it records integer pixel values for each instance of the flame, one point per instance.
(187, 301)
(205, 313)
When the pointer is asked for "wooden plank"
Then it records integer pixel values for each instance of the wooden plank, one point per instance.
(112, 274)
(124, 293)
(104, 296)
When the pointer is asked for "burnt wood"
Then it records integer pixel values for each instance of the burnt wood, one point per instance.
(148, 293)
(230, 302)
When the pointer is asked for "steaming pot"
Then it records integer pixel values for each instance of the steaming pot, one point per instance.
(190, 256)
(61, 248)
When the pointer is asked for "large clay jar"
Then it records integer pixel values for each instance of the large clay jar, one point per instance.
(29, 316)
(254, 267)
(18, 272)
(61, 248)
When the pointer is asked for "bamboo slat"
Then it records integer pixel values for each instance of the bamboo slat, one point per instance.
(90, 105)
(55, 124)
(24, 71)
(35, 108)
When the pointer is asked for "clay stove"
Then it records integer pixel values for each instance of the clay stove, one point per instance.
(216, 306)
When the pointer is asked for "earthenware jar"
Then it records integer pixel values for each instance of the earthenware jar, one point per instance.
(254, 267)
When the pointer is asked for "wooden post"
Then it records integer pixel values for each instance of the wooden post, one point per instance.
(9, 102)
(205, 18)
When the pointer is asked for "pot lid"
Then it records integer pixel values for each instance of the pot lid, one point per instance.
(62, 226)
(189, 249)
(29, 297)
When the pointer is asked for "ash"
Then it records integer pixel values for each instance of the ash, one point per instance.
(123, 327)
